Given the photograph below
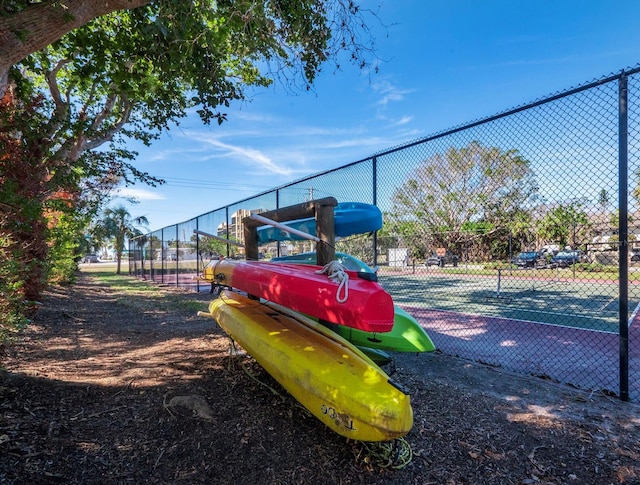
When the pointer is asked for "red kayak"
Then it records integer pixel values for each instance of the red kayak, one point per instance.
(356, 303)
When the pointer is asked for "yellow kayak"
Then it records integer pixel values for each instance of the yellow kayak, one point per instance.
(335, 381)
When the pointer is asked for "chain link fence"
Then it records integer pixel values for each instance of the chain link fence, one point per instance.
(514, 240)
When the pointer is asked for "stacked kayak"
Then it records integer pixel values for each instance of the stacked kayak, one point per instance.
(301, 288)
(320, 335)
(336, 382)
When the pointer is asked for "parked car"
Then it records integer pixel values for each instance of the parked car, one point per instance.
(90, 258)
(529, 259)
(564, 259)
(432, 260)
(441, 261)
(549, 251)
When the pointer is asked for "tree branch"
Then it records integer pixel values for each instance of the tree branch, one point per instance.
(41, 24)
(106, 111)
(62, 108)
(106, 135)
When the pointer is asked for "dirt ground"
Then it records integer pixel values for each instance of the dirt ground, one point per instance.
(115, 389)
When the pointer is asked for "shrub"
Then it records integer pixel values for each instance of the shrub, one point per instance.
(13, 307)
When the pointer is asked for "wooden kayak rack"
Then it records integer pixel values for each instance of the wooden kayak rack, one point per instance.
(323, 212)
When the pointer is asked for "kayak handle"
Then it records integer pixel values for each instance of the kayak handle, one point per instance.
(367, 276)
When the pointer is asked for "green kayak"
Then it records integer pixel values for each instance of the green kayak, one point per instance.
(406, 336)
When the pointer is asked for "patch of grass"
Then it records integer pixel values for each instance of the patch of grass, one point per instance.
(108, 267)
(141, 294)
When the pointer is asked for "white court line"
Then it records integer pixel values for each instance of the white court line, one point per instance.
(495, 317)
(633, 315)
(607, 303)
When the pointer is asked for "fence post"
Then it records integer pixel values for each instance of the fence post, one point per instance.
(278, 207)
(226, 221)
(177, 257)
(198, 256)
(162, 257)
(623, 232)
(150, 258)
(375, 202)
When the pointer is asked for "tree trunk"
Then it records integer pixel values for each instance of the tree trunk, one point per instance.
(119, 250)
(40, 24)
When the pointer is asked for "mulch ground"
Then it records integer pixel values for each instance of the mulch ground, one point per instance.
(110, 388)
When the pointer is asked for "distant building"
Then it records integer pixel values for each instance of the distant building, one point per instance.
(235, 229)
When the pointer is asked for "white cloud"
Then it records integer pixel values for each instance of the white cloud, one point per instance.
(250, 155)
(253, 117)
(138, 194)
(404, 120)
(289, 148)
(389, 92)
(171, 154)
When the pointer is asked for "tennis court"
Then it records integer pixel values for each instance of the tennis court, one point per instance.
(553, 297)
(542, 323)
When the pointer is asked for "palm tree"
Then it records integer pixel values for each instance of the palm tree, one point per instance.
(118, 223)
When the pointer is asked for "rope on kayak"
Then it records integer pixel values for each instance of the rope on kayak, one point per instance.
(336, 272)
(395, 454)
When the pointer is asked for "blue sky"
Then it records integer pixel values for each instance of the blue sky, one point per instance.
(443, 63)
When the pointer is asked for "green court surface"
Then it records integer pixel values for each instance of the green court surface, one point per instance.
(549, 297)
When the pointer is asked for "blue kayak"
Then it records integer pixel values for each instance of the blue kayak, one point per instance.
(349, 218)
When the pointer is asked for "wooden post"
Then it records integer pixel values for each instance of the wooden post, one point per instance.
(250, 241)
(325, 249)
(251, 247)
(325, 230)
